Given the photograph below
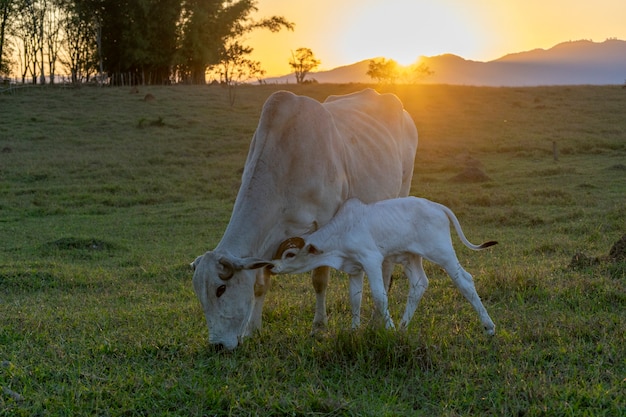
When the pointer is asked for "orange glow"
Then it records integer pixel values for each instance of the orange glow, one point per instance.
(347, 31)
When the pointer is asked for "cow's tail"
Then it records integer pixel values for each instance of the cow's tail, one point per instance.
(459, 231)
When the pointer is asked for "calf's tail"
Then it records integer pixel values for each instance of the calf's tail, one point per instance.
(459, 231)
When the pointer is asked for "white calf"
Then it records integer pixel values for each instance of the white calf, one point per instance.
(361, 237)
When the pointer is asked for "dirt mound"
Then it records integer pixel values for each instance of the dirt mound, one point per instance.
(616, 254)
(618, 251)
(618, 167)
(471, 174)
(73, 243)
(581, 261)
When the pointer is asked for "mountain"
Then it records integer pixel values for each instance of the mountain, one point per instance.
(353, 73)
(568, 63)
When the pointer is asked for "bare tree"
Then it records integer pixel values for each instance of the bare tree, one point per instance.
(303, 61)
(234, 68)
(30, 33)
(79, 53)
(6, 12)
(52, 28)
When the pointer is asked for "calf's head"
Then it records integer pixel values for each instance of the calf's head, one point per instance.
(294, 255)
(224, 285)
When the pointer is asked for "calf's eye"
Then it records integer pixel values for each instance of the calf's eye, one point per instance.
(220, 290)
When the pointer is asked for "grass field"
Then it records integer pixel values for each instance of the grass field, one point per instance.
(105, 199)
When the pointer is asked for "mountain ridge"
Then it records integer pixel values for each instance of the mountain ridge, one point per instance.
(567, 63)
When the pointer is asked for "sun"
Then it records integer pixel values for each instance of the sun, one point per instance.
(403, 30)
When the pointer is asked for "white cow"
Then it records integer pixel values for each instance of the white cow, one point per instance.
(403, 230)
(306, 158)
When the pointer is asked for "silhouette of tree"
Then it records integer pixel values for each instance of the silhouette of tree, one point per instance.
(383, 70)
(303, 62)
(417, 72)
(389, 71)
(6, 11)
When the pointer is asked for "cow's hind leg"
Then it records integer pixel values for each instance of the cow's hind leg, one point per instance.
(387, 274)
(418, 282)
(356, 295)
(319, 277)
(465, 284)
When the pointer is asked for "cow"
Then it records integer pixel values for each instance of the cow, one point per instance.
(305, 159)
(402, 230)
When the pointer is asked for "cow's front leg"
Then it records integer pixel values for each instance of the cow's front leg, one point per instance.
(261, 286)
(319, 278)
(356, 295)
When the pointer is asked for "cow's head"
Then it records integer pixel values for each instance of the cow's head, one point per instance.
(294, 255)
(225, 285)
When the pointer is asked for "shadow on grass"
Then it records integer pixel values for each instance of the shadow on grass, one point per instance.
(375, 350)
(79, 248)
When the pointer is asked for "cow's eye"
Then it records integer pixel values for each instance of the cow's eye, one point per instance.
(290, 255)
(220, 290)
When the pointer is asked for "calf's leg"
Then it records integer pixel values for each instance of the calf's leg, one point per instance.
(379, 295)
(418, 282)
(356, 295)
(465, 284)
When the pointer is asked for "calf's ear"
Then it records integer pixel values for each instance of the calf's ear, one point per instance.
(292, 242)
(255, 263)
(312, 250)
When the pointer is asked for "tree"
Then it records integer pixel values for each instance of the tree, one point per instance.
(383, 70)
(387, 70)
(303, 62)
(134, 41)
(138, 40)
(79, 53)
(416, 73)
(234, 68)
(29, 29)
(52, 34)
(213, 32)
(6, 10)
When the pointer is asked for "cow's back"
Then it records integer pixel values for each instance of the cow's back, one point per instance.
(306, 158)
(380, 141)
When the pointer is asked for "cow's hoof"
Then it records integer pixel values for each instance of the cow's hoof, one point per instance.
(318, 329)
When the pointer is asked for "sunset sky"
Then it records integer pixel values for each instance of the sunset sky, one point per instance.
(341, 32)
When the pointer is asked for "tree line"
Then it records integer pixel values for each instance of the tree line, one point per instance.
(131, 42)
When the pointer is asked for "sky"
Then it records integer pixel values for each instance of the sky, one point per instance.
(342, 32)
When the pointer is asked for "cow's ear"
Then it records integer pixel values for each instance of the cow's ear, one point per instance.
(195, 263)
(312, 250)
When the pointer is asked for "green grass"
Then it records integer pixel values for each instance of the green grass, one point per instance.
(106, 198)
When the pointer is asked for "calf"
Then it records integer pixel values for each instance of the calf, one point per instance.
(361, 237)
